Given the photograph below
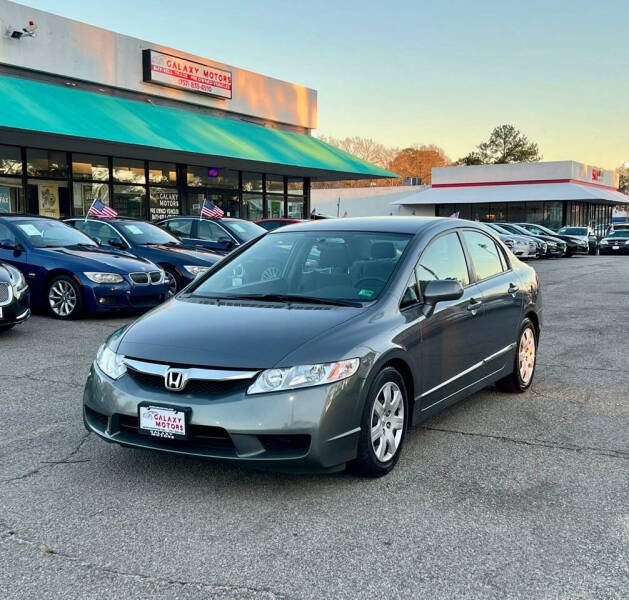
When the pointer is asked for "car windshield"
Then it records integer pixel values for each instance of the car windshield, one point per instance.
(323, 267)
(144, 234)
(499, 229)
(516, 229)
(47, 233)
(619, 233)
(573, 231)
(244, 230)
(541, 228)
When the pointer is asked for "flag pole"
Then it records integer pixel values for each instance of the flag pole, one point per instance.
(87, 214)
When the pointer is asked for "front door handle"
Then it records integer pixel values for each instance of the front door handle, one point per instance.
(513, 288)
(474, 305)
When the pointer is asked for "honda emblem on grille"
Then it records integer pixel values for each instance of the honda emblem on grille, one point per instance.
(175, 380)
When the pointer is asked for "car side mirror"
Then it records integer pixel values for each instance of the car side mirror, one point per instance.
(226, 243)
(98, 241)
(116, 243)
(11, 245)
(441, 291)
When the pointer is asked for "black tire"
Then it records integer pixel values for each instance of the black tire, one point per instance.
(6, 327)
(367, 462)
(174, 281)
(514, 382)
(65, 282)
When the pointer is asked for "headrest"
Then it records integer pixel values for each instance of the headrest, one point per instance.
(334, 256)
(382, 250)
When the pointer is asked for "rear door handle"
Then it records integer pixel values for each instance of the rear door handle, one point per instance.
(513, 288)
(474, 305)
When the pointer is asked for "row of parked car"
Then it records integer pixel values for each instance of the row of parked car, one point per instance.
(92, 265)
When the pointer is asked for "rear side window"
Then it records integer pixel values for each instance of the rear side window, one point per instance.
(443, 259)
(484, 253)
(179, 227)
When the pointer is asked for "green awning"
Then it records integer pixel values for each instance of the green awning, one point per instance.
(34, 106)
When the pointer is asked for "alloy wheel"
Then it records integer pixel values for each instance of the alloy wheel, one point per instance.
(62, 298)
(172, 283)
(526, 355)
(387, 421)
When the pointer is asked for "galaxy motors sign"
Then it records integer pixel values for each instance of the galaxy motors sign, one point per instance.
(183, 74)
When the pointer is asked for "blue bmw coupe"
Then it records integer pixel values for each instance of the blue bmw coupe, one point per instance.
(69, 274)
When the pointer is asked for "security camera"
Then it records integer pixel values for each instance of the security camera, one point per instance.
(18, 34)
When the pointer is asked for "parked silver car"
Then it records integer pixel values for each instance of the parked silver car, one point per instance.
(521, 245)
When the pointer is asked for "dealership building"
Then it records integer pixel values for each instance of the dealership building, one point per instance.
(548, 193)
(87, 114)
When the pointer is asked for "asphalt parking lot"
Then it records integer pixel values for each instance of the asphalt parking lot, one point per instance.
(501, 496)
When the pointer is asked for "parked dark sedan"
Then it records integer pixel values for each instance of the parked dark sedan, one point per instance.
(14, 297)
(615, 242)
(372, 325)
(574, 244)
(180, 263)
(68, 273)
(218, 235)
(554, 246)
(273, 224)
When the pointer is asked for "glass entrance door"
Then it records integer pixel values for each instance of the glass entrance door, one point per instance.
(227, 200)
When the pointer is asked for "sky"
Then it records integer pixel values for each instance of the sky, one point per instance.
(409, 72)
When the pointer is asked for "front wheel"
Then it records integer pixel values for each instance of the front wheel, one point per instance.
(64, 298)
(520, 379)
(173, 281)
(383, 425)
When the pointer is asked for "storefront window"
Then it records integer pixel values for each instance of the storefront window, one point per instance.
(85, 193)
(479, 212)
(89, 166)
(516, 212)
(164, 173)
(275, 183)
(552, 215)
(295, 208)
(252, 207)
(295, 185)
(129, 171)
(11, 196)
(46, 163)
(211, 177)
(252, 182)
(497, 212)
(130, 200)
(164, 203)
(10, 160)
(48, 198)
(275, 205)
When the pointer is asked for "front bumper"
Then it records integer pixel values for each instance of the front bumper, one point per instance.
(609, 249)
(123, 296)
(300, 430)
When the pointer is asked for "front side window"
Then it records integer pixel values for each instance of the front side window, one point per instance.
(244, 230)
(484, 253)
(211, 232)
(411, 295)
(95, 229)
(343, 266)
(443, 259)
(48, 233)
(179, 227)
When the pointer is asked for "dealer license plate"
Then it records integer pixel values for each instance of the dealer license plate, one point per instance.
(163, 422)
(615, 247)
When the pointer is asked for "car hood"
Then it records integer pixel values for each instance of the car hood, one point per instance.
(98, 259)
(244, 334)
(181, 255)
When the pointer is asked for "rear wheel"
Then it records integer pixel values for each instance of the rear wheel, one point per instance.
(520, 379)
(383, 425)
(65, 300)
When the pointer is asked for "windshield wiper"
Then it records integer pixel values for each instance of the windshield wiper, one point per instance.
(291, 298)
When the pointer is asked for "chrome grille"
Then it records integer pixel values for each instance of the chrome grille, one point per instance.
(5, 293)
(156, 276)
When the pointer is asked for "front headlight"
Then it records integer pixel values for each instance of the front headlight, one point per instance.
(18, 282)
(110, 363)
(98, 277)
(195, 270)
(604, 242)
(274, 380)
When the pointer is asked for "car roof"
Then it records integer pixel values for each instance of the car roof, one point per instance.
(410, 224)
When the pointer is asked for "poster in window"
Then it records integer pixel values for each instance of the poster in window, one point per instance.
(48, 194)
(164, 204)
(5, 199)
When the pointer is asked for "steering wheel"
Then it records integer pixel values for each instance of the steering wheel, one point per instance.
(369, 282)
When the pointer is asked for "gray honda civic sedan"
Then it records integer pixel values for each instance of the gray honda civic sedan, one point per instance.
(318, 345)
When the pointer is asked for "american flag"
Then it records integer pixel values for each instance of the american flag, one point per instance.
(211, 211)
(98, 209)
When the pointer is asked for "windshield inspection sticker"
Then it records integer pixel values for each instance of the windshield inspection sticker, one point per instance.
(133, 229)
(30, 229)
(367, 293)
